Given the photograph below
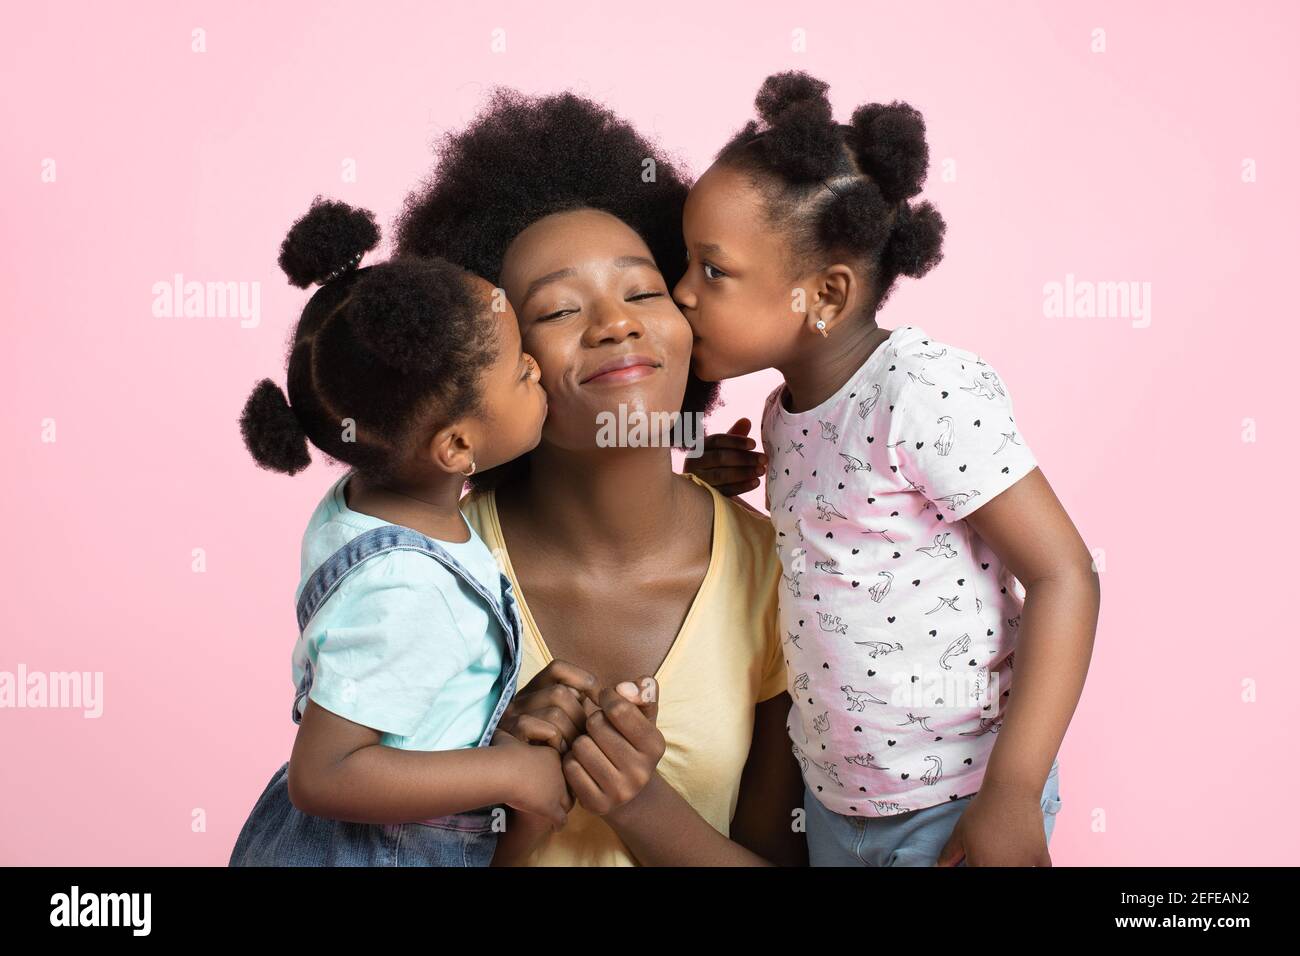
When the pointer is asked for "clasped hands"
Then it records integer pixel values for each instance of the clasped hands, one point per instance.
(605, 741)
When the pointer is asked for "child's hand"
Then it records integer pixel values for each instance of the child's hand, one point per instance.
(729, 462)
(999, 828)
(539, 787)
(612, 762)
(550, 708)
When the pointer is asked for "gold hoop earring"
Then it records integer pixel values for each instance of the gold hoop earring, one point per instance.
(472, 465)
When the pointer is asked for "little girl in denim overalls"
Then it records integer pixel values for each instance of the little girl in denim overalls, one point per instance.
(412, 373)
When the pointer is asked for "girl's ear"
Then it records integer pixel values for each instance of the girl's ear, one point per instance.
(836, 290)
(451, 450)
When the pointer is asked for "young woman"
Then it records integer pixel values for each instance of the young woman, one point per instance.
(622, 567)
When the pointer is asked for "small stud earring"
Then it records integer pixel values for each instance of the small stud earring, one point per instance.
(821, 327)
(472, 466)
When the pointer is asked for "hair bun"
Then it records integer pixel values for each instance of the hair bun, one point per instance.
(398, 309)
(801, 140)
(327, 242)
(915, 247)
(781, 91)
(889, 142)
(272, 432)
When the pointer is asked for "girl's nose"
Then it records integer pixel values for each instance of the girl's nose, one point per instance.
(683, 295)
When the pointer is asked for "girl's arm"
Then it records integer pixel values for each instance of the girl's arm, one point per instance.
(613, 775)
(1027, 527)
(340, 770)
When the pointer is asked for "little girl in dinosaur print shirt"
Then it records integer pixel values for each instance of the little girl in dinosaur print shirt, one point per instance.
(910, 512)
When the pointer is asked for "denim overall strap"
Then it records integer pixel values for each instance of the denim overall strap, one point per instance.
(326, 579)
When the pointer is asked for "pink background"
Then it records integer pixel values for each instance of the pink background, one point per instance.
(1117, 166)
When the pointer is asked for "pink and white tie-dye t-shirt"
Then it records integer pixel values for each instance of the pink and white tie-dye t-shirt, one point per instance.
(900, 622)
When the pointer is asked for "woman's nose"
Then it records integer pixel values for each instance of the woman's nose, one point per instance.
(613, 323)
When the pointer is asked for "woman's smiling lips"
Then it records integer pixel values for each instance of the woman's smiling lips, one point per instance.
(626, 368)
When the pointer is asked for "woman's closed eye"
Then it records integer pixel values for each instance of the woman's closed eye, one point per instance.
(558, 313)
(631, 297)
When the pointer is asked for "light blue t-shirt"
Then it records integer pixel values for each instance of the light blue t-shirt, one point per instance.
(403, 646)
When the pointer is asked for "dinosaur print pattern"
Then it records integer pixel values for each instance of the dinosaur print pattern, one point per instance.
(858, 699)
(879, 647)
(832, 623)
(864, 760)
(881, 588)
(941, 548)
(852, 464)
(899, 621)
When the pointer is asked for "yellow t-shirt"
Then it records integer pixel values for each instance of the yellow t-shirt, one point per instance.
(726, 658)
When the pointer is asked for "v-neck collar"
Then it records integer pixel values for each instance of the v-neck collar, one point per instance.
(717, 547)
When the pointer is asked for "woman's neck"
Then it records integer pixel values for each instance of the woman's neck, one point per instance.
(601, 503)
(823, 367)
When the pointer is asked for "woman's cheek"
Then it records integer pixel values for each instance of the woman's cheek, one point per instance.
(677, 336)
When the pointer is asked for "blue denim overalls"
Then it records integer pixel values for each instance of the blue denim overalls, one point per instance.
(277, 833)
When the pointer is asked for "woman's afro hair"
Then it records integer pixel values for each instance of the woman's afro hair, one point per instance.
(842, 187)
(526, 157)
(378, 346)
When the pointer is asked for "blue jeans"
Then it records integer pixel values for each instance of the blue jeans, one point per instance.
(277, 833)
(908, 839)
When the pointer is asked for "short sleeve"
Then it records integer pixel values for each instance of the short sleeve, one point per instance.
(954, 438)
(385, 644)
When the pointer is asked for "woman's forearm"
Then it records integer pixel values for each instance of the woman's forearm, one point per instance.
(662, 829)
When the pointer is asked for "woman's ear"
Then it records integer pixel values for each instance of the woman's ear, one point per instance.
(835, 290)
(451, 450)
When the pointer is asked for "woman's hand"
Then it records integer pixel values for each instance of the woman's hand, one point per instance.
(730, 462)
(549, 709)
(608, 766)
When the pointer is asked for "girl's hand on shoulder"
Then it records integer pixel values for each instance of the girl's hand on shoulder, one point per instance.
(549, 708)
(609, 765)
(730, 461)
(537, 779)
(999, 828)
